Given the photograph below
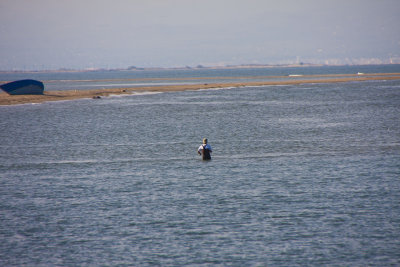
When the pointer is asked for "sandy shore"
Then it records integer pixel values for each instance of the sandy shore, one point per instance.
(6, 99)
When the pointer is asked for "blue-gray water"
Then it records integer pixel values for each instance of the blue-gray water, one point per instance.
(122, 79)
(303, 175)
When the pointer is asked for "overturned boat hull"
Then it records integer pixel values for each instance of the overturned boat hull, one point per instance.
(23, 87)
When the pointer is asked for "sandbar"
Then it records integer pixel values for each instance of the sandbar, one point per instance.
(6, 99)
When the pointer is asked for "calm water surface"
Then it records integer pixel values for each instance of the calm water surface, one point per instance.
(303, 175)
(54, 81)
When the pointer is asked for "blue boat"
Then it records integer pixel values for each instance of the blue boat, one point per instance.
(23, 87)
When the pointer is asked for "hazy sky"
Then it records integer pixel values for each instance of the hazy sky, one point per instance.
(52, 34)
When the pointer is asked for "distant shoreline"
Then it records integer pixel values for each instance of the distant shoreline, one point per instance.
(198, 67)
(6, 99)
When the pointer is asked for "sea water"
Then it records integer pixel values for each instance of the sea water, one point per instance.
(301, 175)
(103, 79)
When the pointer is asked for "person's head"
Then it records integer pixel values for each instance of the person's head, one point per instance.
(205, 140)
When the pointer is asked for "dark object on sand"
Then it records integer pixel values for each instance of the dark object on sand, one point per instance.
(23, 87)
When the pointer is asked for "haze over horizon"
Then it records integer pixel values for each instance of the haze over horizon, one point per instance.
(48, 34)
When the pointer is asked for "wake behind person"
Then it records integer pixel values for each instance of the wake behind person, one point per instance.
(205, 150)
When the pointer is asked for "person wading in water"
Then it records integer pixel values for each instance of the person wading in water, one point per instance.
(205, 150)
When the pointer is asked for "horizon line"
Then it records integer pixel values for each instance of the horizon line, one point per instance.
(198, 67)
